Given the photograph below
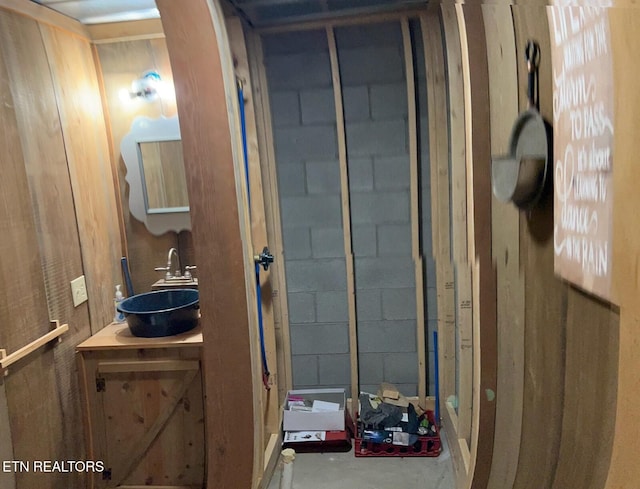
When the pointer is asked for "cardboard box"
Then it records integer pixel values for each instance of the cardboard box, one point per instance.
(300, 414)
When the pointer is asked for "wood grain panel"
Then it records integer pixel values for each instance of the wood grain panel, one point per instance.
(478, 157)
(45, 16)
(24, 311)
(458, 212)
(45, 193)
(7, 479)
(211, 176)
(503, 93)
(412, 124)
(271, 400)
(78, 99)
(432, 36)
(19, 245)
(121, 63)
(346, 217)
(153, 423)
(272, 211)
(545, 295)
(589, 390)
(624, 468)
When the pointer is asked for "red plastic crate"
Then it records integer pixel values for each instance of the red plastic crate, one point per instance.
(429, 446)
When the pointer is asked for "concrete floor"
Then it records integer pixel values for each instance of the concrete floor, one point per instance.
(344, 470)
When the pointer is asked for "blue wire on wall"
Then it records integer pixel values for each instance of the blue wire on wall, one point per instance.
(265, 366)
(437, 377)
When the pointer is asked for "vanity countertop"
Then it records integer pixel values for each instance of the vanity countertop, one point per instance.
(117, 336)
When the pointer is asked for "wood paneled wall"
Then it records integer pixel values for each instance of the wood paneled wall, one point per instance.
(59, 221)
(623, 379)
(503, 90)
(557, 348)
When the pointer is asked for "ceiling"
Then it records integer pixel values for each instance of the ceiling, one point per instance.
(102, 11)
(258, 13)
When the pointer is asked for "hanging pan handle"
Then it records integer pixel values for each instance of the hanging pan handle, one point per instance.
(532, 54)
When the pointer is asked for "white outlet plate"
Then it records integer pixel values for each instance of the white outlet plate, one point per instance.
(78, 291)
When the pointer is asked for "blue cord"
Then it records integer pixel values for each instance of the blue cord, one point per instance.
(437, 375)
(265, 367)
(243, 127)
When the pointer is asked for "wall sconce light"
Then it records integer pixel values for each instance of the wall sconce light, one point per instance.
(149, 87)
(146, 86)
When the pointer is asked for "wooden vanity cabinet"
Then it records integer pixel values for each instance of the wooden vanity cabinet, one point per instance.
(143, 409)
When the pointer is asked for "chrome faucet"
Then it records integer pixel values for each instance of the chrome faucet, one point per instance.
(173, 251)
(178, 272)
(167, 269)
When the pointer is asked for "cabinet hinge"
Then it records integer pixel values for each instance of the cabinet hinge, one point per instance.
(106, 474)
(101, 385)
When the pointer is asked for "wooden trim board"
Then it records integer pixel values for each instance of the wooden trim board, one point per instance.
(432, 38)
(415, 210)
(346, 216)
(9, 359)
(211, 165)
(503, 93)
(125, 31)
(272, 211)
(270, 397)
(476, 94)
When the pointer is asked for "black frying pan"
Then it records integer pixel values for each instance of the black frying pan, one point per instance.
(520, 176)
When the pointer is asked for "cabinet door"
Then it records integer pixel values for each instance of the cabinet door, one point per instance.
(148, 426)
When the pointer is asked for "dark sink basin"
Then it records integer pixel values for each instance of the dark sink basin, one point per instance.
(161, 312)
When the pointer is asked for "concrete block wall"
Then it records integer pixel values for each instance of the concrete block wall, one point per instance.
(375, 100)
(375, 109)
(304, 127)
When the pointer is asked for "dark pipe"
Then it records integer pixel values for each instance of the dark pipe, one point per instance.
(127, 276)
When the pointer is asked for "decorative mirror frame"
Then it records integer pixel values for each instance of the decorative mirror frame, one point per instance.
(145, 130)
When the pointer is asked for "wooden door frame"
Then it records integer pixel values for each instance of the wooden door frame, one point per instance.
(207, 102)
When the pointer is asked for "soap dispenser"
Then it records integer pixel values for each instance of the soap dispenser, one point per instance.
(119, 316)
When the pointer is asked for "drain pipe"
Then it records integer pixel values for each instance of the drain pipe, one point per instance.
(288, 455)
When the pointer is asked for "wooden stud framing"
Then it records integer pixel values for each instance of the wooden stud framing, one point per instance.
(459, 240)
(233, 118)
(272, 211)
(478, 160)
(346, 217)
(270, 401)
(439, 165)
(415, 211)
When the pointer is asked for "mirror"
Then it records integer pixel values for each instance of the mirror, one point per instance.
(165, 183)
(152, 153)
